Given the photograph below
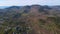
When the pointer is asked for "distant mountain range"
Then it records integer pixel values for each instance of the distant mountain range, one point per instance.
(2, 7)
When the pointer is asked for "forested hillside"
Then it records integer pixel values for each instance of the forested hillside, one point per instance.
(34, 19)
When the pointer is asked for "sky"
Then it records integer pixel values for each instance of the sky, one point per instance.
(28, 2)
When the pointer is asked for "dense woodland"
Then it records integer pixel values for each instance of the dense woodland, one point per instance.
(34, 19)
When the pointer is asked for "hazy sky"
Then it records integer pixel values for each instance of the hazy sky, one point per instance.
(28, 2)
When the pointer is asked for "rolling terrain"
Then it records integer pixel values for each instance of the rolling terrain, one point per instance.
(34, 19)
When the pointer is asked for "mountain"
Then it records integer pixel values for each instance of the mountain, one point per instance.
(34, 19)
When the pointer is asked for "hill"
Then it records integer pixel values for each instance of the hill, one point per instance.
(34, 19)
